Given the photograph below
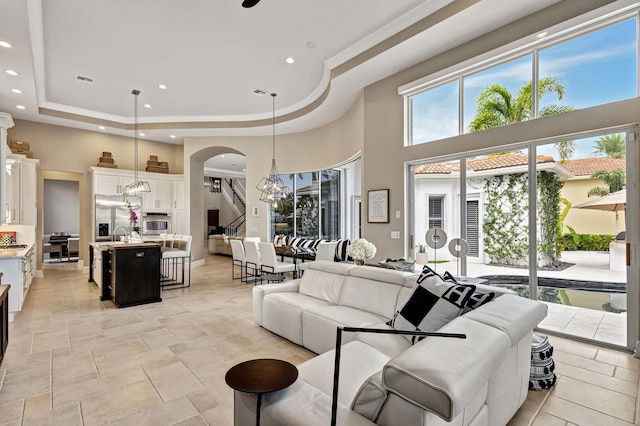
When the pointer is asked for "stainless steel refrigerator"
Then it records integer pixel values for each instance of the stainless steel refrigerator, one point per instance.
(112, 216)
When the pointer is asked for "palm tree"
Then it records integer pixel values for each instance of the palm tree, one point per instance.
(614, 180)
(496, 107)
(612, 146)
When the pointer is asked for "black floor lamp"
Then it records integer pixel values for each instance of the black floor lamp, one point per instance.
(336, 368)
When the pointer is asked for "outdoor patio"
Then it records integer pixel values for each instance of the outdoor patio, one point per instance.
(585, 322)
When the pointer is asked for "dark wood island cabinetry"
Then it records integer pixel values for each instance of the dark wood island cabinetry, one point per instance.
(135, 273)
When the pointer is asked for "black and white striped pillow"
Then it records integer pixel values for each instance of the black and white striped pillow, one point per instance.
(341, 250)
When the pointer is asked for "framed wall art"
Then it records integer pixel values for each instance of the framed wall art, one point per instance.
(378, 206)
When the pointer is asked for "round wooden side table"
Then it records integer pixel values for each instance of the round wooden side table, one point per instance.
(260, 376)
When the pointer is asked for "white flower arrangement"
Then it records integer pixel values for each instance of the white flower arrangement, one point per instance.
(361, 249)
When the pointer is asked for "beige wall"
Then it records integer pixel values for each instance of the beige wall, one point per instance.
(73, 150)
(67, 154)
(316, 149)
(588, 221)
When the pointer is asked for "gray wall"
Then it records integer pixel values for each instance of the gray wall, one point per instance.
(61, 201)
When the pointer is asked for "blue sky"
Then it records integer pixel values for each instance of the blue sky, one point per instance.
(595, 69)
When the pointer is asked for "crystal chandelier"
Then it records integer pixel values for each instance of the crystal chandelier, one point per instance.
(273, 190)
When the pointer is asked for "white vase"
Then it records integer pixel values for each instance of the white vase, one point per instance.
(422, 258)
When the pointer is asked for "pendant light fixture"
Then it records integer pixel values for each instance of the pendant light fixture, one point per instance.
(138, 186)
(273, 190)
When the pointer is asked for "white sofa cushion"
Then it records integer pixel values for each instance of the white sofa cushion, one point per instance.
(382, 274)
(444, 377)
(319, 325)
(390, 344)
(503, 312)
(282, 314)
(370, 296)
(322, 285)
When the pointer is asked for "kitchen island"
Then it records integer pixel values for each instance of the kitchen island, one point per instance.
(133, 276)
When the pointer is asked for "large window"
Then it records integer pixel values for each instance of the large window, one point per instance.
(575, 71)
(314, 207)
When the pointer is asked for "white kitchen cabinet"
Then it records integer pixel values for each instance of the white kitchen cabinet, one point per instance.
(12, 198)
(179, 222)
(21, 188)
(178, 198)
(178, 217)
(160, 197)
(18, 271)
(110, 184)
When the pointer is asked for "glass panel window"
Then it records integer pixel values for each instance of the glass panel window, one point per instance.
(330, 204)
(282, 217)
(593, 69)
(498, 96)
(434, 113)
(307, 205)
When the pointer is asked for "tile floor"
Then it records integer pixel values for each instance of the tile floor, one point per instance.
(74, 360)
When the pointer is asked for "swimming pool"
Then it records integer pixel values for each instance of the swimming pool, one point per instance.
(601, 296)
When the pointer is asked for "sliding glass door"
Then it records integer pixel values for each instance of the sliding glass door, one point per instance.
(573, 209)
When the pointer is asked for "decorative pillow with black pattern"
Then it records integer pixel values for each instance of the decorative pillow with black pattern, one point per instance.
(341, 250)
(432, 304)
(476, 300)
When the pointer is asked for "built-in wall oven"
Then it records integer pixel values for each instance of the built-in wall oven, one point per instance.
(156, 223)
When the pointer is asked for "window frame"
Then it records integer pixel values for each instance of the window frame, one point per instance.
(497, 57)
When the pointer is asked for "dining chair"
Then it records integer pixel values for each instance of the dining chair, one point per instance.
(253, 264)
(73, 247)
(270, 263)
(239, 259)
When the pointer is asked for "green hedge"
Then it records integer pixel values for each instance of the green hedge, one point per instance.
(588, 242)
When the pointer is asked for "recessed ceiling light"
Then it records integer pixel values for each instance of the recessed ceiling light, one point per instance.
(244, 170)
(289, 60)
(172, 136)
(101, 127)
(11, 72)
(222, 156)
(18, 91)
(21, 107)
(162, 86)
(147, 106)
(5, 44)
(542, 34)
(141, 134)
(311, 45)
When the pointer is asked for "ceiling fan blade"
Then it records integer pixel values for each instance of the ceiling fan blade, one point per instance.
(249, 3)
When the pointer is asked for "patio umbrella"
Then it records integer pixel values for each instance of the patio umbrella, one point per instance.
(614, 202)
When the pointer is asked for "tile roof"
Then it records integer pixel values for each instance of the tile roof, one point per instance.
(580, 167)
(511, 159)
(589, 166)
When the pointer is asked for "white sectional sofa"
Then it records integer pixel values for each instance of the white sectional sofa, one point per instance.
(384, 379)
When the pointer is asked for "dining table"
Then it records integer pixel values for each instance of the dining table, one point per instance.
(301, 254)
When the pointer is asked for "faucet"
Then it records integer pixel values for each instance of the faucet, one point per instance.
(115, 230)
